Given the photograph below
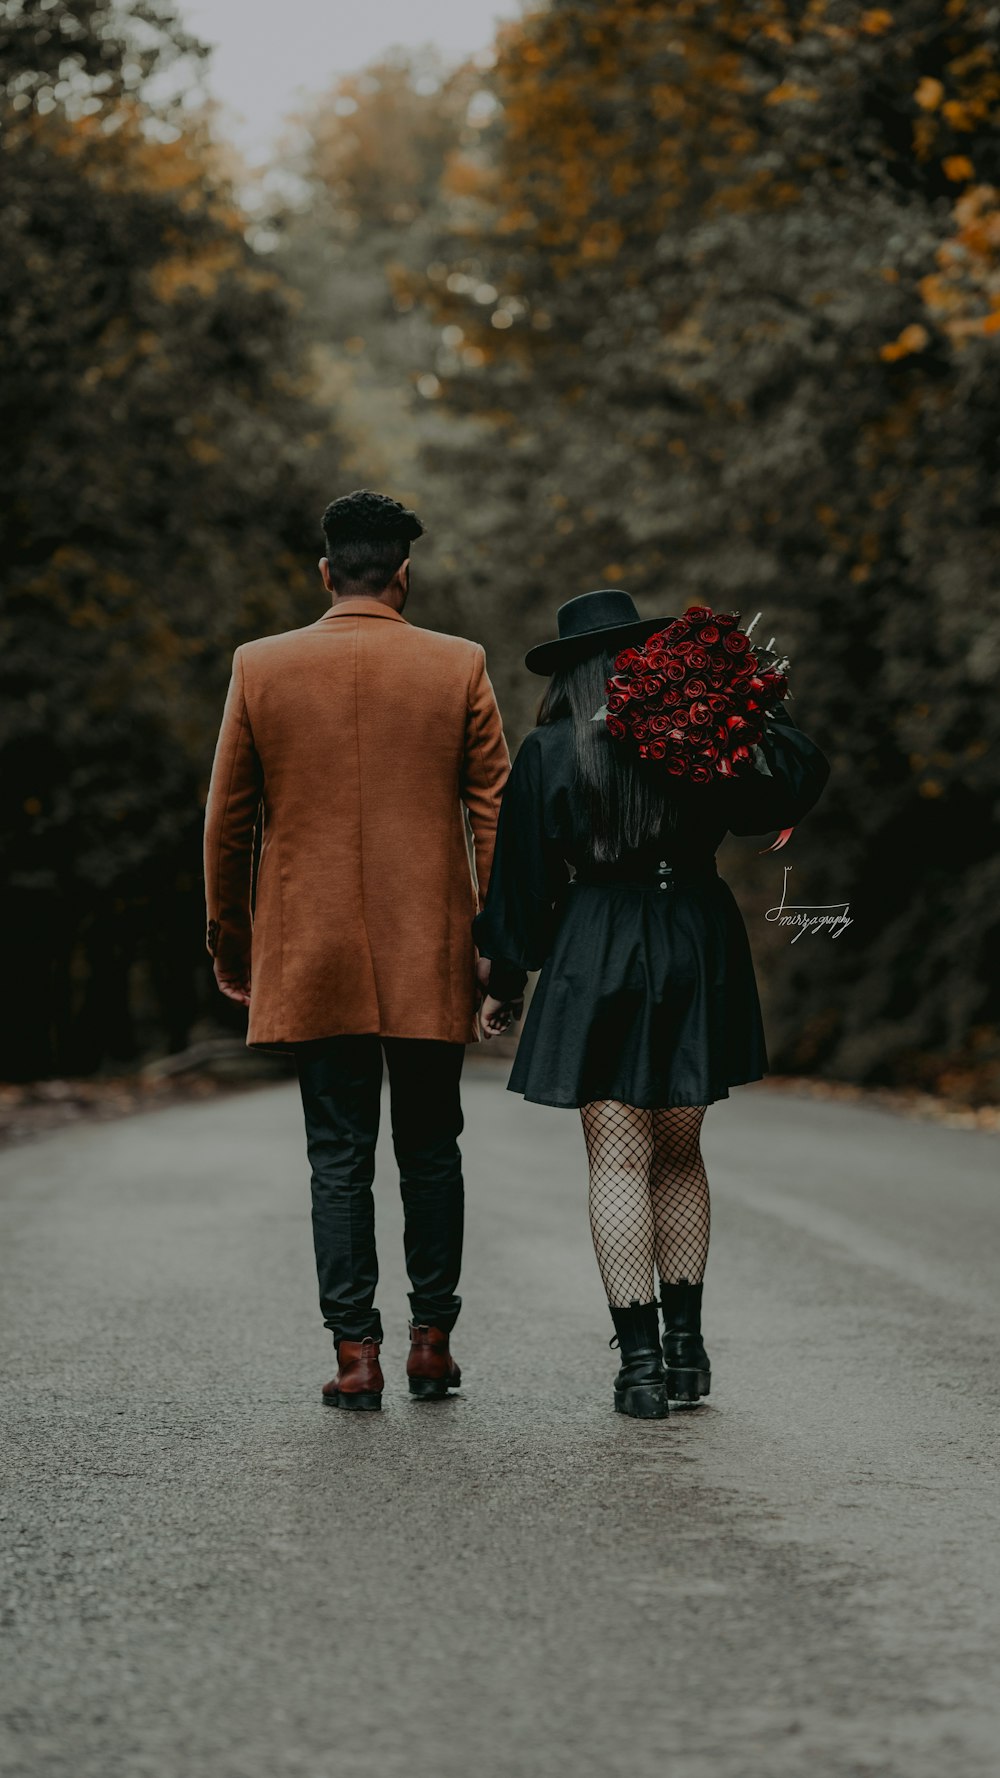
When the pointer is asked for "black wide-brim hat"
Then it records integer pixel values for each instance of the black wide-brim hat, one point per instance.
(588, 625)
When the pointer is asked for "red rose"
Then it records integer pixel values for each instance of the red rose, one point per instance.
(635, 689)
(657, 660)
(620, 681)
(740, 753)
(676, 766)
(677, 736)
(640, 729)
(697, 660)
(701, 774)
(735, 642)
(750, 661)
(710, 633)
(711, 751)
(680, 717)
(698, 614)
(673, 631)
(617, 701)
(683, 649)
(700, 713)
(652, 685)
(627, 658)
(656, 750)
(716, 703)
(675, 670)
(726, 620)
(658, 725)
(673, 694)
(775, 684)
(616, 728)
(695, 688)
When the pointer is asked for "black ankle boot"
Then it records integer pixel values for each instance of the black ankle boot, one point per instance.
(641, 1384)
(689, 1374)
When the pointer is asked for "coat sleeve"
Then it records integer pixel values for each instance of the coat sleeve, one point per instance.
(230, 818)
(485, 765)
(516, 926)
(798, 773)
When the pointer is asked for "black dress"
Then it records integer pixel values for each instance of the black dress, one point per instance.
(647, 991)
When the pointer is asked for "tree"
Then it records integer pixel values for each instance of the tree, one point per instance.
(162, 472)
(740, 345)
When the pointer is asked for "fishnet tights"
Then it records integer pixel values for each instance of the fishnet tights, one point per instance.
(649, 1196)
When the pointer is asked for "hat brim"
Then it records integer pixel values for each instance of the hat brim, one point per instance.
(548, 657)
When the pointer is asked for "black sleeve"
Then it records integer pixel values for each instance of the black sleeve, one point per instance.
(794, 782)
(528, 876)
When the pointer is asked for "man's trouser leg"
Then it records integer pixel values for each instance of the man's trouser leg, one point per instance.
(340, 1080)
(424, 1078)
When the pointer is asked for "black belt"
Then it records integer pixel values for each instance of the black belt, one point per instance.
(665, 874)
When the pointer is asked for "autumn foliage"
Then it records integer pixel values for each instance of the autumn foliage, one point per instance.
(697, 298)
(158, 470)
(744, 349)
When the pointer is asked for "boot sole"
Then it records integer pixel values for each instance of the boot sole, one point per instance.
(431, 1388)
(363, 1401)
(688, 1386)
(645, 1401)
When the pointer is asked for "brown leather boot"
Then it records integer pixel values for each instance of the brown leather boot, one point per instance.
(430, 1368)
(359, 1381)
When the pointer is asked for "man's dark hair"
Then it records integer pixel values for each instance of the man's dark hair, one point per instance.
(368, 537)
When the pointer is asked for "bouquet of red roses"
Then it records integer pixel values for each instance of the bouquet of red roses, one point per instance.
(696, 696)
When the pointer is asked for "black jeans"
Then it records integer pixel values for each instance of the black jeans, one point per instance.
(340, 1079)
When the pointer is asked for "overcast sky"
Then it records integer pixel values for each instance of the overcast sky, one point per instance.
(267, 52)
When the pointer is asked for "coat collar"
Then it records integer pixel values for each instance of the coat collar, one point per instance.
(362, 608)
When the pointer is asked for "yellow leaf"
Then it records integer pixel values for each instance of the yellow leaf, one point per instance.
(912, 339)
(789, 91)
(958, 167)
(929, 93)
(876, 21)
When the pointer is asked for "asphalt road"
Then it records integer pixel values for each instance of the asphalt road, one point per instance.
(210, 1575)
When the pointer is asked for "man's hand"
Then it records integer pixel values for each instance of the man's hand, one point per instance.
(497, 1015)
(234, 984)
(483, 967)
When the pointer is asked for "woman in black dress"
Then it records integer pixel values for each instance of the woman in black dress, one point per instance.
(646, 1009)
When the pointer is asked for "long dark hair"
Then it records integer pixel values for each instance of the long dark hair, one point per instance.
(627, 802)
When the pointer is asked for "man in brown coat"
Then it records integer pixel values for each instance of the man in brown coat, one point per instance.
(355, 743)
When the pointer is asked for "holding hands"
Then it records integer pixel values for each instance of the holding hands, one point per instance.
(495, 1015)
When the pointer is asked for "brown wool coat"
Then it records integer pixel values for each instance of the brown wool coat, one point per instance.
(357, 740)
